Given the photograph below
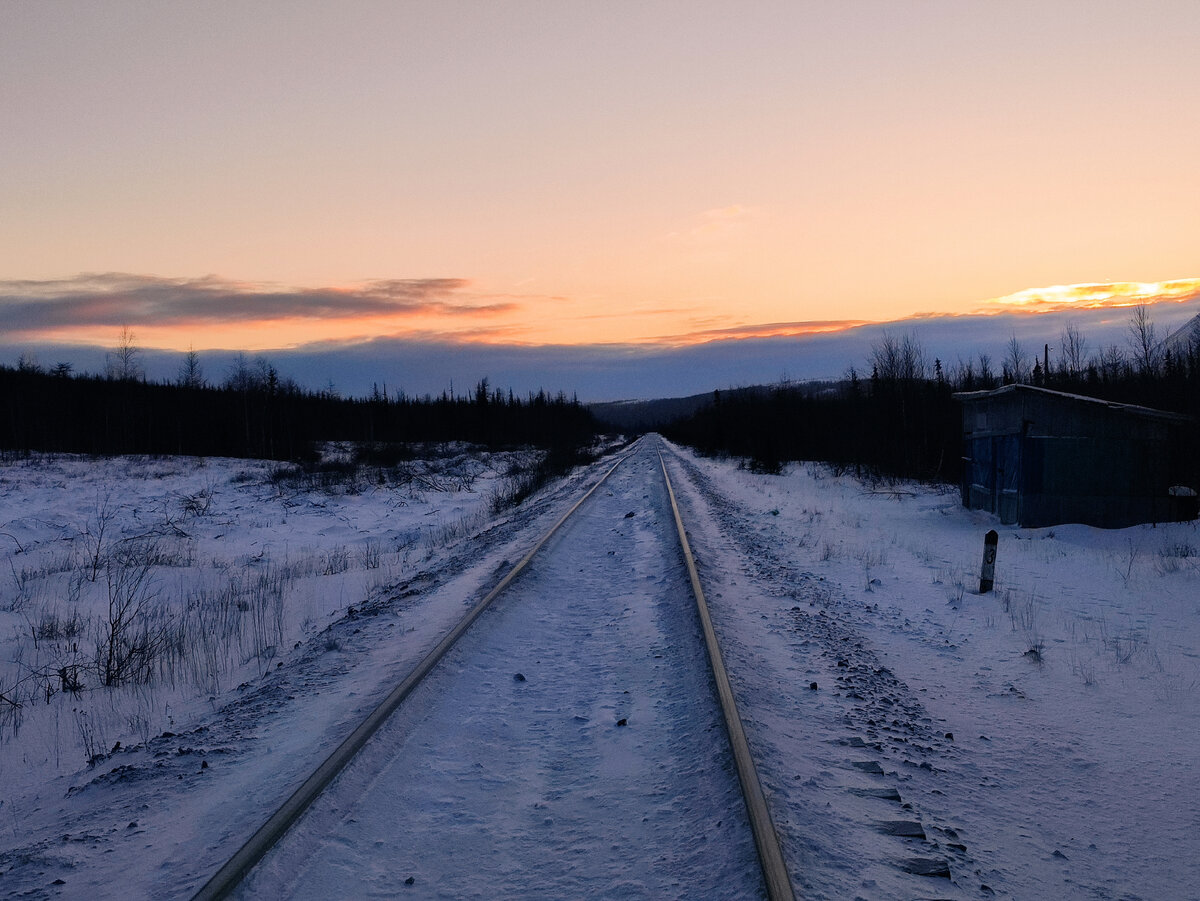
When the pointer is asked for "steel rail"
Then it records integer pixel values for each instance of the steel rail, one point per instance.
(766, 840)
(227, 878)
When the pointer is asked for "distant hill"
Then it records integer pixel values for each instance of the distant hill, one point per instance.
(650, 415)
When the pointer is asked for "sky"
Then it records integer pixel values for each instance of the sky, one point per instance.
(580, 179)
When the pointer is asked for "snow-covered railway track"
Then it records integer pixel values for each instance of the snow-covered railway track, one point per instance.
(572, 747)
(766, 841)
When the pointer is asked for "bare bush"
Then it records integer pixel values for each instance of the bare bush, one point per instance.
(130, 638)
(369, 555)
(91, 734)
(97, 533)
(1175, 557)
(1025, 616)
(1084, 669)
(1127, 646)
(199, 502)
(337, 560)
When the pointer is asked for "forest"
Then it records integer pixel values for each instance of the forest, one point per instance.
(899, 418)
(256, 412)
(894, 418)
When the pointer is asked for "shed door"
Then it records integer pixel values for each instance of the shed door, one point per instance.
(1007, 457)
(981, 476)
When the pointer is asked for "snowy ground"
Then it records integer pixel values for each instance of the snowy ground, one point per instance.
(274, 588)
(1043, 734)
(570, 746)
(1041, 737)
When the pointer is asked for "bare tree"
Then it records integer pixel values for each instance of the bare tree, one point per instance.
(853, 386)
(898, 359)
(1111, 362)
(914, 363)
(191, 373)
(241, 375)
(1014, 361)
(124, 363)
(963, 375)
(1074, 349)
(986, 377)
(885, 357)
(267, 375)
(1144, 341)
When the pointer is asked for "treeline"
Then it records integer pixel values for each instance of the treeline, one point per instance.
(257, 413)
(897, 418)
(873, 428)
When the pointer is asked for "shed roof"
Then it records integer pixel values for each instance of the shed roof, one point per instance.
(1127, 409)
(1181, 340)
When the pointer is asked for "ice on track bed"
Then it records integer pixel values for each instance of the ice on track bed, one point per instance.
(569, 746)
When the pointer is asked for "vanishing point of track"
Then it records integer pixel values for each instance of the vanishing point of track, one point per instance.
(775, 877)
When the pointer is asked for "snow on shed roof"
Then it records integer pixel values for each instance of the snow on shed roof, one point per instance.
(1182, 338)
(1131, 409)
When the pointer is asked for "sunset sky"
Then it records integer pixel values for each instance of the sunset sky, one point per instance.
(268, 175)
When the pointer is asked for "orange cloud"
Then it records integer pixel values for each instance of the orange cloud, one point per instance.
(1058, 298)
(219, 313)
(761, 330)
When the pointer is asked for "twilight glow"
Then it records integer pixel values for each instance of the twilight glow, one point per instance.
(1119, 294)
(177, 314)
(274, 175)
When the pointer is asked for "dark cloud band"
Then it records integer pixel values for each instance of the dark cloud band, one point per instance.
(114, 299)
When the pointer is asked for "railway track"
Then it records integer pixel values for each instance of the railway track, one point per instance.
(575, 717)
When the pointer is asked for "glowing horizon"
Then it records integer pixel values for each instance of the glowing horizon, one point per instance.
(1095, 296)
(210, 313)
(537, 175)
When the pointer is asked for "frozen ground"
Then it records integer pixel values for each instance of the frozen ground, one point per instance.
(1043, 734)
(279, 606)
(1041, 738)
(570, 746)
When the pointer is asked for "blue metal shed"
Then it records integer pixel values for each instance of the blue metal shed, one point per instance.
(1036, 457)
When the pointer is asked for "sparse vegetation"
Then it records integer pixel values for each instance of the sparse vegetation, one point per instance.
(524, 480)
(131, 601)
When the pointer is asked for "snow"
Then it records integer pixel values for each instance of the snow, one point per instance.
(562, 749)
(1065, 773)
(205, 757)
(1041, 737)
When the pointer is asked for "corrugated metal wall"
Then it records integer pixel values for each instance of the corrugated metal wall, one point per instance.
(1038, 458)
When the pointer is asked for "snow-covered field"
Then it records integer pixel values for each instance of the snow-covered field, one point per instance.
(139, 597)
(1045, 733)
(136, 591)
(1042, 736)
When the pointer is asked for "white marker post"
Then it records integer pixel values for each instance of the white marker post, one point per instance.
(988, 574)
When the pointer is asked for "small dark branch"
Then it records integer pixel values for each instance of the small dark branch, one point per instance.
(20, 549)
